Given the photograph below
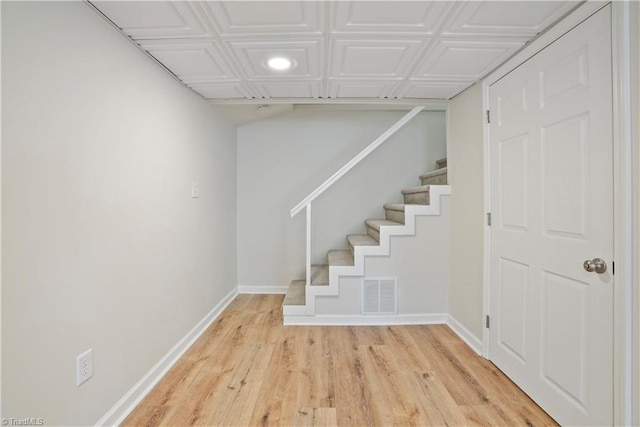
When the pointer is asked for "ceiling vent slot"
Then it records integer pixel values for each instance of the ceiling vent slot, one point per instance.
(379, 296)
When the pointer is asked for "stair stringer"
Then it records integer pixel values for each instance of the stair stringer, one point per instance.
(361, 252)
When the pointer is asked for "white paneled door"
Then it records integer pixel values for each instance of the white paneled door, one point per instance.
(552, 207)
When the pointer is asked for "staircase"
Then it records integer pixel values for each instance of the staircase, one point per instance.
(399, 220)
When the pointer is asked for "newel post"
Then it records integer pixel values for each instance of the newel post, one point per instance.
(308, 255)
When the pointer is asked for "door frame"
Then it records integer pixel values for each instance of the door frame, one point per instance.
(626, 351)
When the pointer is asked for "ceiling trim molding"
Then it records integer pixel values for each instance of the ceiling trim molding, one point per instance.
(430, 104)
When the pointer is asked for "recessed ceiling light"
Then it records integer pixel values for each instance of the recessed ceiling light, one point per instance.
(279, 63)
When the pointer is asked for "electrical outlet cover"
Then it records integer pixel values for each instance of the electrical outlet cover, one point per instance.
(84, 367)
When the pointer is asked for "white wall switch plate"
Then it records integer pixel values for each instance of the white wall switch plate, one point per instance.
(195, 190)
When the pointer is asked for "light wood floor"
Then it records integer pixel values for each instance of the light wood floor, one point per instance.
(247, 369)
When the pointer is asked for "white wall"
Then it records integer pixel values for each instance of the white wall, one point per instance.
(103, 247)
(635, 112)
(1, 413)
(466, 177)
(281, 160)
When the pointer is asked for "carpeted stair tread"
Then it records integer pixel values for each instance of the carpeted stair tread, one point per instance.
(442, 163)
(320, 275)
(413, 190)
(361, 240)
(354, 240)
(395, 207)
(417, 195)
(340, 258)
(377, 223)
(436, 177)
(394, 212)
(437, 172)
(296, 293)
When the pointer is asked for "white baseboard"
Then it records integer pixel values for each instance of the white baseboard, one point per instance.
(263, 289)
(133, 397)
(471, 340)
(362, 320)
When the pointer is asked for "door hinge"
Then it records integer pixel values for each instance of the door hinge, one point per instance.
(488, 117)
(487, 322)
(489, 219)
(613, 268)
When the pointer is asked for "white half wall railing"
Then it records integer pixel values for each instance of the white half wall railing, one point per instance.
(306, 202)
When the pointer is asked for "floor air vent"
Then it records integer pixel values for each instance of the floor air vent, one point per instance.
(379, 296)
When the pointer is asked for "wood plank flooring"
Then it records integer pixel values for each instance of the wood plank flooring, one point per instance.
(249, 370)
